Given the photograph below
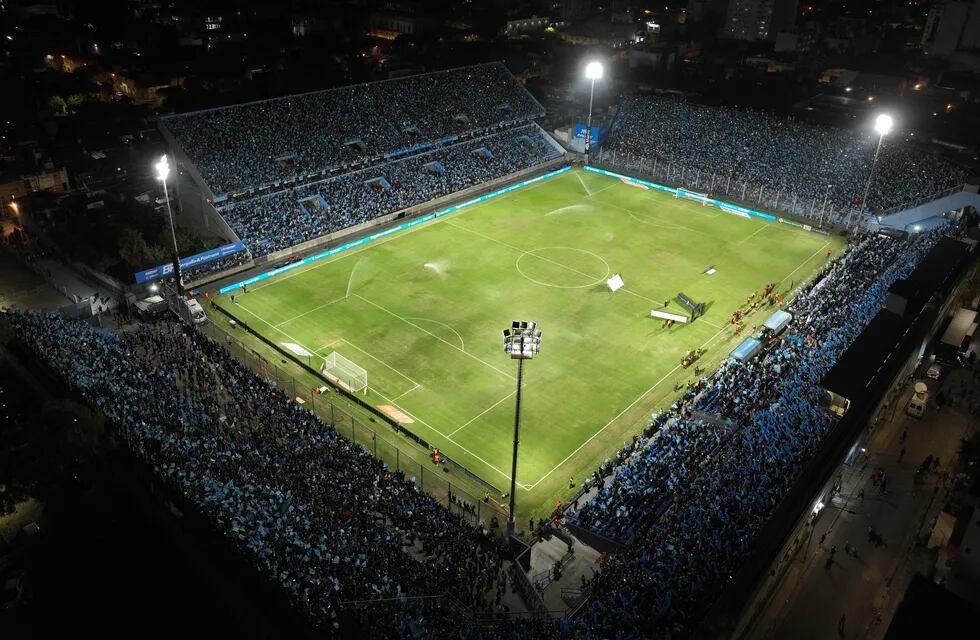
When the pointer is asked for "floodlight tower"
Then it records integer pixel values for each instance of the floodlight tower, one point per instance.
(163, 170)
(593, 71)
(883, 125)
(521, 342)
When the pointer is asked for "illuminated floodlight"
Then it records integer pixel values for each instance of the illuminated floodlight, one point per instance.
(162, 167)
(154, 288)
(884, 124)
(522, 340)
(593, 70)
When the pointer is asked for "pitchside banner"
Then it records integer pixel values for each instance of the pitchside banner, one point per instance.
(164, 270)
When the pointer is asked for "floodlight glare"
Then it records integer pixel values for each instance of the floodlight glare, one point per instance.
(884, 124)
(593, 70)
(163, 168)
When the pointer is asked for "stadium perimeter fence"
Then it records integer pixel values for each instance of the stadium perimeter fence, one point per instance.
(414, 462)
(822, 212)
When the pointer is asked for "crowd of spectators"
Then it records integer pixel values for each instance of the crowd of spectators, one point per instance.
(331, 524)
(283, 219)
(320, 517)
(688, 495)
(251, 145)
(200, 271)
(781, 163)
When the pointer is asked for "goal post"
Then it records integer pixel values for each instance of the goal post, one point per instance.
(345, 373)
(703, 198)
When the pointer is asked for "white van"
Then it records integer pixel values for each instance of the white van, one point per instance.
(917, 405)
(195, 311)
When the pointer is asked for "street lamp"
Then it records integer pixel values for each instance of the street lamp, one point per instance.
(163, 170)
(521, 342)
(593, 71)
(883, 125)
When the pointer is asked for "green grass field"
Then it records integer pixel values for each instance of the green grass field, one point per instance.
(423, 311)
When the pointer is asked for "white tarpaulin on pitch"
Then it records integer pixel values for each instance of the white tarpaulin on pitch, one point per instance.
(297, 349)
(665, 315)
(615, 283)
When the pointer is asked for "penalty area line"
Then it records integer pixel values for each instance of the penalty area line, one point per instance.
(479, 415)
(416, 418)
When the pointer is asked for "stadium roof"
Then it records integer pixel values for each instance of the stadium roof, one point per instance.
(932, 274)
(867, 356)
(858, 368)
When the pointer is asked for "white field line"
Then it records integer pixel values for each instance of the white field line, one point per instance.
(479, 415)
(554, 262)
(306, 313)
(462, 344)
(600, 190)
(765, 225)
(423, 330)
(805, 261)
(522, 251)
(582, 182)
(654, 223)
(417, 419)
(645, 393)
(370, 355)
(402, 395)
(394, 236)
(620, 414)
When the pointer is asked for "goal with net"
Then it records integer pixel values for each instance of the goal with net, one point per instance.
(703, 198)
(345, 373)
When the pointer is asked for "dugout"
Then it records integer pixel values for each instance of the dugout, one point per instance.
(778, 321)
(749, 348)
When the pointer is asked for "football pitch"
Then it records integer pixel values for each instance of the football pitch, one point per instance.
(423, 310)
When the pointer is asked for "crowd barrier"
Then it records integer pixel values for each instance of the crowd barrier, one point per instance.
(727, 207)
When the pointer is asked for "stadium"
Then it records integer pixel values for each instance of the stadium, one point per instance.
(441, 344)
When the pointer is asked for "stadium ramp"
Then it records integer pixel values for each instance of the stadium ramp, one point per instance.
(930, 212)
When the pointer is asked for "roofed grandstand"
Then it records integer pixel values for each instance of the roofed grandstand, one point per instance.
(252, 145)
(289, 170)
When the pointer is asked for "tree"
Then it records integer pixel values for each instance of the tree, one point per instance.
(58, 104)
(75, 99)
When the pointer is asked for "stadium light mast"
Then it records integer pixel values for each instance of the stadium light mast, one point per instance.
(163, 170)
(521, 342)
(883, 125)
(593, 71)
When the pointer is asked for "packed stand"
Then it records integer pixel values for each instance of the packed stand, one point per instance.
(689, 495)
(201, 271)
(251, 145)
(283, 219)
(318, 515)
(779, 162)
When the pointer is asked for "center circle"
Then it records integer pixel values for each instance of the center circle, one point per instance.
(554, 266)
